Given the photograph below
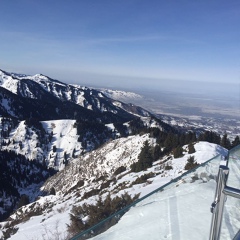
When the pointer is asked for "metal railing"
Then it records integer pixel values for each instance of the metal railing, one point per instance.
(217, 207)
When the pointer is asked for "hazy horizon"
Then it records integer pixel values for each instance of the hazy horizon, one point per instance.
(103, 42)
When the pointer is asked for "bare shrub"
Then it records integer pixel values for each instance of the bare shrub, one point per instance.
(168, 167)
(143, 178)
(119, 170)
(85, 216)
(54, 234)
(9, 231)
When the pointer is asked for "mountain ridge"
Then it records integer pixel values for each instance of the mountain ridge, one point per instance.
(33, 86)
(97, 145)
(53, 123)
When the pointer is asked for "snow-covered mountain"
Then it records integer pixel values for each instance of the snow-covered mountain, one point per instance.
(90, 143)
(52, 123)
(33, 108)
(121, 95)
(43, 88)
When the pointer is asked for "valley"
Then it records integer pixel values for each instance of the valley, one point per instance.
(189, 109)
(67, 148)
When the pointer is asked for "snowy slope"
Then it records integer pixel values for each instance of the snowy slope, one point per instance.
(56, 141)
(181, 211)
(121, 95)
(39, 86)
(54, 210)
(64, 138)
(8, 82)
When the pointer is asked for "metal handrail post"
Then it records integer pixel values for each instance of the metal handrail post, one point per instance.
(218, 204)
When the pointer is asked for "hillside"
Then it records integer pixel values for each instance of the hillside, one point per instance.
(84, 180)
(48, 124)
(65, 146)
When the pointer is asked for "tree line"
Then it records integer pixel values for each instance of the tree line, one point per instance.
(173, 143)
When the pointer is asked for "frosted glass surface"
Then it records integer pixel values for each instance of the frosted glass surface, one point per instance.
(178, 210)
(231, 214)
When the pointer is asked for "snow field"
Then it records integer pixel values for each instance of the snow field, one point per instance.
(166, 215)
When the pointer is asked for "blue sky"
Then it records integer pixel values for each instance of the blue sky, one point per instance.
(105, 42)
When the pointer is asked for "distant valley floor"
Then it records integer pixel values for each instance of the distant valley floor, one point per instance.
(191, 110)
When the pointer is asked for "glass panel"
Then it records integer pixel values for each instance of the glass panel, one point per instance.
(231, 218)
(231, 215)
(234, 168)
(178, 210)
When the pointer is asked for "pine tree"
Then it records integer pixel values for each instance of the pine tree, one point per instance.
(145, 158)
(24, 200)
(178, 152)
(225, 142)
(157, 152)
(191, 148)
(191, 163)
(190, 137)
(235, 142)
(210, 136)
(171, 141)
